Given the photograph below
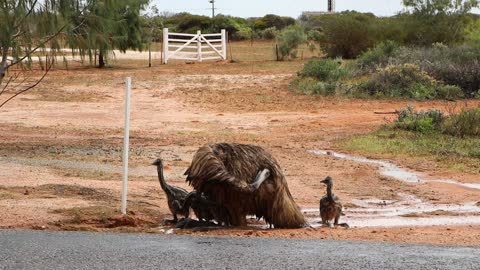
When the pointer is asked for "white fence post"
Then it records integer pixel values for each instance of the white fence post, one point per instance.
(165, 45)
(199, 45)
(128, 82)
(224, 44)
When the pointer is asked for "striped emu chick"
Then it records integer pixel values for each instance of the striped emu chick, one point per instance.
(175, 195)
(330, 206)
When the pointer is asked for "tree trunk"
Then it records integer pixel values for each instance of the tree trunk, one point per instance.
(3, 64)
(101, 61)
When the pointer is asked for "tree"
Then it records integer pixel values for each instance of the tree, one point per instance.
(289, 40)
(27, 27)
(108, 25)
(434, 7)
(271, 20)
(347, 34)
(436, 21)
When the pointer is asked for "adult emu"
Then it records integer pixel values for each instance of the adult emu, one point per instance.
(224, 172)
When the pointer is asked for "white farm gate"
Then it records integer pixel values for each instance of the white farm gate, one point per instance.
(193, 47)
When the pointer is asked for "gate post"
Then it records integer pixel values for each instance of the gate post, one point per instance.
(199, 46)
(165, 45)
(224, 44)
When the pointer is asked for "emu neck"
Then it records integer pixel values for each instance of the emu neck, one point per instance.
(161, 178)
(329, 191)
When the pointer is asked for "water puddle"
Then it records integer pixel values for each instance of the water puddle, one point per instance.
(391, 170)
(407, 211)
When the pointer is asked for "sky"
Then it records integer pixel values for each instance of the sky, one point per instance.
(292, 8)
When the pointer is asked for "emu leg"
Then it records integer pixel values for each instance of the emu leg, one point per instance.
(237, 218)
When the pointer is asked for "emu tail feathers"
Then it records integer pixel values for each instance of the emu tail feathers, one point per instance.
(286, 213)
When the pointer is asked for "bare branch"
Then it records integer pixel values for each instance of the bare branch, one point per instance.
(29, 87)
(3, 90)
(19, 33)
(12, 79)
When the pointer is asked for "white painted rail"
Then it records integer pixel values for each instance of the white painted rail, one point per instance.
(194, 47)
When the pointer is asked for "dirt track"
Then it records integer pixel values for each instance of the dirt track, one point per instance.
(60, 149)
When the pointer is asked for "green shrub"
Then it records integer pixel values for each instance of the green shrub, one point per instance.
(466, 123)
(325, 88)
(347, 34)
(323, 70)
(422, 121)
(319, 77)
(246, 34)
(458, 66)
(304, 85)
(289, 40)
(400, 81)
(449, 92)
(273, 21)
(269, 33)
(311, 86)
(377, 57)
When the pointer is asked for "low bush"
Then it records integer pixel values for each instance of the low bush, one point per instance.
(458, 66)
(323, 70)
(466, 123)
(377, 57)
(319, 77)
(400, 81)
(269, 33)
(463, 124)
(449, 92)
(422, 121)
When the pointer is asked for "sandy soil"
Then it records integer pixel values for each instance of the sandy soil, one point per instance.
(60, 151)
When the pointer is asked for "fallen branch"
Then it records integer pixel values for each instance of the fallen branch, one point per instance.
(394, 112)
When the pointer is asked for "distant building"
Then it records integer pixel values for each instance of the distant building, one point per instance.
(330, 10)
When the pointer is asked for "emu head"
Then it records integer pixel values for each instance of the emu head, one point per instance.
(158, 162)
(327, 181)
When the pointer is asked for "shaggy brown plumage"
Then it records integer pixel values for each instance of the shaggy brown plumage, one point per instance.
(224, 172)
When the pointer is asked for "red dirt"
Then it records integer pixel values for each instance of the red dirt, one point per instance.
(76, 140)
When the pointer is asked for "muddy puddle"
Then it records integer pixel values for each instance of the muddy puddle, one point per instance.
(406, 211)
(391, 170)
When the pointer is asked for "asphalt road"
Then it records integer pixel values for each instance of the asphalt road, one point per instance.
(79, 250)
